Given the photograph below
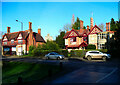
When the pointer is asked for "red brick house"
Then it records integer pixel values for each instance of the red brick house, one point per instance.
(18, 42)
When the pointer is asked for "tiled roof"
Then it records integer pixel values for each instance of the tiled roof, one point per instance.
(79, 32)
(14, 35)
(38, 37)
(24, 34)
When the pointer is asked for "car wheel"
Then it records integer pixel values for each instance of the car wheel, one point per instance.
(104, 58)
(47, 58)
(89, 58)
(58, 58)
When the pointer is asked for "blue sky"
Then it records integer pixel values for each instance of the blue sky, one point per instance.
(52, 16)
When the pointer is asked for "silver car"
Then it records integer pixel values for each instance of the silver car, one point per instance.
(54, 55)
(96, 54)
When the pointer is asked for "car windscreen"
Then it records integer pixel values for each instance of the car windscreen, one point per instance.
(53, 53)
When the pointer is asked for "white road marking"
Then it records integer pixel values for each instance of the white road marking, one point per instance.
(107, 75)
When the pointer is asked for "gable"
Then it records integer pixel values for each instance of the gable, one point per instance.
(5, 38)
(84, 35)
(95, 30)
(72, 34)
(19, 36)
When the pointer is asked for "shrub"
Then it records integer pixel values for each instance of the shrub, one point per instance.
(103, 50)
(77, 53)
(50, 45)
(91, 46)
(31, 48)
(64, 52)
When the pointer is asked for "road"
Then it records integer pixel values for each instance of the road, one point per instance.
(83, 71)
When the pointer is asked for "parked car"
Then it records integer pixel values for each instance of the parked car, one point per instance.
(97, 54)
(54, 55)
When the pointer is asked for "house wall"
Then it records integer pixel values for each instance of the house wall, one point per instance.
(66, 41)
(79, 40)
(18, 49)
(102, 41)
(93, 39)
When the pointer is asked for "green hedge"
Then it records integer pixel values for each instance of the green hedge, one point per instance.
(91, 46)
(77, 53)
(36, 52)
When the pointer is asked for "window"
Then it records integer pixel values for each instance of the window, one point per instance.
(85, 38)
(5, 43)
(95, 52)
(73, 39)
(102, 46)
(20, 41)
(98, 36)
(12, 41)
(51, 53)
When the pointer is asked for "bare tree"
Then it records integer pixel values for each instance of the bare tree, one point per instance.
(67, 27)
(102, 26)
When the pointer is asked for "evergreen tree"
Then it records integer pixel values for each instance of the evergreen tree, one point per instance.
(76, 25)
(113, 25)
(84, 27)
(60, 41)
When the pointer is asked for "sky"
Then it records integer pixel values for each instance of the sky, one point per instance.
(52, 16)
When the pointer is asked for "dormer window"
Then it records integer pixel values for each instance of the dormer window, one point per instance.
(12, 41)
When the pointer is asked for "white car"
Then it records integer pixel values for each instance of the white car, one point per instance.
(96, 54)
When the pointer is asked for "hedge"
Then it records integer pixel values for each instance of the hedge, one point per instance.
(77, 53)
(36, 52)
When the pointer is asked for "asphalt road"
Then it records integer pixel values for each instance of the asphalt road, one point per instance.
(85, 72)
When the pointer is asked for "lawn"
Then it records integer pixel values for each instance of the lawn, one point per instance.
(28, 71)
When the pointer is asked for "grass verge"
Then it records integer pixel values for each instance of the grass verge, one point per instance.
(28, 71)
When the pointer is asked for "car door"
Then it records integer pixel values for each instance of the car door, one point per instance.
(53, 56)
(96, 55)
(100, 54)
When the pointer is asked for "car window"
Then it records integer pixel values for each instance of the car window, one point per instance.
(51, 53)
(95, 52)
(56, 53)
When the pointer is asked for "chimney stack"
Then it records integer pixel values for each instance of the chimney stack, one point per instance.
(91, 23)
(39, 32)
(87, 27)
(81, 24)
(30, 26)
(8, 29)
(108, 26)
